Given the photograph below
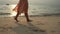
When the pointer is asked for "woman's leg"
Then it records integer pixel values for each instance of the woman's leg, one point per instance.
(16, 17)
(26, 15)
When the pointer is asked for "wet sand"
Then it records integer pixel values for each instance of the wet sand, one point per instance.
(38, 25)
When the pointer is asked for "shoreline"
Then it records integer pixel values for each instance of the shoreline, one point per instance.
(30, 15)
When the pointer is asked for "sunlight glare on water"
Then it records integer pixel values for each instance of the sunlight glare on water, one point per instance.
(13, 13)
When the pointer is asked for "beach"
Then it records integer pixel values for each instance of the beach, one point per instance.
(44, 15)
(38, 25)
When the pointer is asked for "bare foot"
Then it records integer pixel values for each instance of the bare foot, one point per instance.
(29, 20)
(16, 19)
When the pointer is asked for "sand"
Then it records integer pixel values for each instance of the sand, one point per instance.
(38, 25)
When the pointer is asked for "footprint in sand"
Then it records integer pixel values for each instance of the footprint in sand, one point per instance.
(58, 23)
(2, 29)
(40, 24)
(37, 30)
(53, 31)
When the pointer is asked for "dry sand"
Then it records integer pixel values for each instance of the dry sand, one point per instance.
(38, 25)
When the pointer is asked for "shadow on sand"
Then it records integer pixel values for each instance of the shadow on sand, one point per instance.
(30, 29)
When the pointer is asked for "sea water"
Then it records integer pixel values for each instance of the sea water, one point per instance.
(39, 7)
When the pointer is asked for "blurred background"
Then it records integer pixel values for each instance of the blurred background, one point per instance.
(36, 7)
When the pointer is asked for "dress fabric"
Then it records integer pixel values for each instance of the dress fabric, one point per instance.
(22, 6)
